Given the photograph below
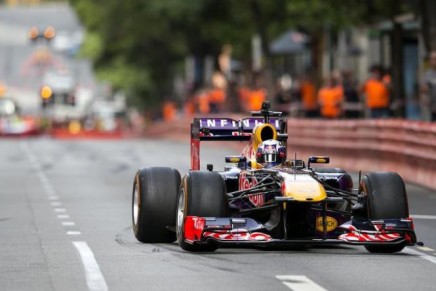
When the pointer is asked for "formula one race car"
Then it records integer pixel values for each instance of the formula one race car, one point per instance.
(264, 199)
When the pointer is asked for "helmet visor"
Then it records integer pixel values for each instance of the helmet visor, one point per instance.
(270, 158)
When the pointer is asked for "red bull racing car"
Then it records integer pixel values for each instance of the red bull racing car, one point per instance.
(264, 199)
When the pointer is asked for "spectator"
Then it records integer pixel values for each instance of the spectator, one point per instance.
(428, 87)
(308, 97)
(202, 99)
(217, 94)
(377, 95)
(169, 111)
(217, 97)
(253, 97)
(330, 98)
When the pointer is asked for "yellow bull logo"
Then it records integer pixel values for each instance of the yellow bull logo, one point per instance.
(331, 223)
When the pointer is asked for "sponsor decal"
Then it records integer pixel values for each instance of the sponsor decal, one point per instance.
(231, 124)
(331, 222)
(247, 183)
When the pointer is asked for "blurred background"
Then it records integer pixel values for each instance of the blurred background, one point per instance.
(111, 65)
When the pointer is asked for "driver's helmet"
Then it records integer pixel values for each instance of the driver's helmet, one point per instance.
(270, 153)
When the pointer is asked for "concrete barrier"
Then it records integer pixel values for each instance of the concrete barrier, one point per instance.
(406, 147)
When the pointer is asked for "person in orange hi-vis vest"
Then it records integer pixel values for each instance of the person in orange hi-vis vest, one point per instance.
(217, 97)
(169, 111)
(202, 100)
(256, 98)
(257, 93)
(377, 95)
(309, 98)
(189, 107)
(330, 99)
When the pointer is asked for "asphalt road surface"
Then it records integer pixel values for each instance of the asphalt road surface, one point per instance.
(65, 224)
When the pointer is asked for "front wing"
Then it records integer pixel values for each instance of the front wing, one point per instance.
(247, 232)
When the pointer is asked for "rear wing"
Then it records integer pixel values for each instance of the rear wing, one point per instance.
(226, 129)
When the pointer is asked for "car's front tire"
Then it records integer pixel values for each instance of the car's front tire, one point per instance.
(202, 194)
(154, 203)
(386, 198)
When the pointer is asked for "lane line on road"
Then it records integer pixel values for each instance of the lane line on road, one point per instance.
(94, 278)
(93, 275)
(421, 255)
(427, 249)
(299, 283)
(417, 216)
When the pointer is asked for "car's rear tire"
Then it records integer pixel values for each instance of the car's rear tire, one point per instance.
(386, 198)
(202, 194)
(154, 204)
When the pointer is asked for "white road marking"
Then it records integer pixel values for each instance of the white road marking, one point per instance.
(426, 249)
(299, 283)
(417, 216)
(421, 255)
(94, 277)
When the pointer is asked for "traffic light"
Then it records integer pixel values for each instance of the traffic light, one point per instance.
(49, 32)
(33, 33)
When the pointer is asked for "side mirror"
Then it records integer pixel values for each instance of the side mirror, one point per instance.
(240, 161)
(318, 160)
(297, 164)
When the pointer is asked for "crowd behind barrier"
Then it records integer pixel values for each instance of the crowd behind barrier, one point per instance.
(339, 96)
(406, 147)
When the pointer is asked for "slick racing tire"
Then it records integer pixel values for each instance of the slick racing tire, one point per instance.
(202, 194)
(386, 198)
(154, 204)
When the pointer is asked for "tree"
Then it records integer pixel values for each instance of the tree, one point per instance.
(140, 45)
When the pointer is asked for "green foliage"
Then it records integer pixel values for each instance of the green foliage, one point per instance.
(317, 14)
(139, 45)
(92, 47)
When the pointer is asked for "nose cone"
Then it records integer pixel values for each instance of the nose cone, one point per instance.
(303, 187)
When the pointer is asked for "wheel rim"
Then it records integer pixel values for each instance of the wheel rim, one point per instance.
(136, 204)
(180, 212)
